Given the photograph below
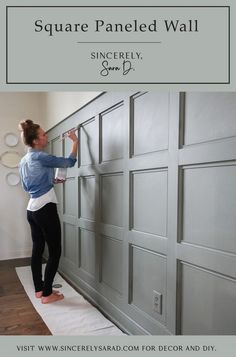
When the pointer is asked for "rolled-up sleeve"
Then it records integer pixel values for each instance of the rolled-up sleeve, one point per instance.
(55, 161)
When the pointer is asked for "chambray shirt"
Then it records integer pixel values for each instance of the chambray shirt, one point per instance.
(37, 171)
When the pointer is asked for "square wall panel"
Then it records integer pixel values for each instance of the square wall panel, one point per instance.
(87, 197)
(209, 206)
(69, 242)
(150, 122)
(48, 148)
(209, 116)
(149, 201)
(87, 251)
(56, 147)
(112, 263)
(112, 134)
(112, 199)
(70, 197)
(208, 302)
(148, 275)
(67, 146)
(88, 143)
(58, 192)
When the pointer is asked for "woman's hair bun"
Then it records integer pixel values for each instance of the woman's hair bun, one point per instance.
(29, 131)
(26, 124)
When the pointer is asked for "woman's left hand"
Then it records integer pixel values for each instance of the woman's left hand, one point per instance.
(58, 181)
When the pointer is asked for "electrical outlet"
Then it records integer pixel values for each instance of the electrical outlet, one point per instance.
(157, 302)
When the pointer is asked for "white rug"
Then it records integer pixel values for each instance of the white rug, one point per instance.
(72, 316)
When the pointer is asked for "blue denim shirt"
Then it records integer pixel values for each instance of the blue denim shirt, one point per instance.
(37, 171)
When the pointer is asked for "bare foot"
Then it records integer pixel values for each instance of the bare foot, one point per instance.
(51, 298)
(39, 294)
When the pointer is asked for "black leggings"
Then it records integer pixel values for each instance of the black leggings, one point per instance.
(45, 227)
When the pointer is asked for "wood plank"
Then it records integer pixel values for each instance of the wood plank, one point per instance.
(18, 316)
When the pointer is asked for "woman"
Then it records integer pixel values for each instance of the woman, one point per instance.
(37, 175)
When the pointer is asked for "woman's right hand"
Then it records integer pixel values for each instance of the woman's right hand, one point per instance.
(71, 135)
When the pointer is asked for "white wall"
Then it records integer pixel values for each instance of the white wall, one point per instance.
(47, 109)
(56, 106)
(15, 238)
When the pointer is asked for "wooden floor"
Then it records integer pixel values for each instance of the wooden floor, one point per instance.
(17, 314)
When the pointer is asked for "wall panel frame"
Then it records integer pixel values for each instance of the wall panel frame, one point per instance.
(151, 176)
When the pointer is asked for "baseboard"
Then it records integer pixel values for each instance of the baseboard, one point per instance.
(16, 255)
(119, 318)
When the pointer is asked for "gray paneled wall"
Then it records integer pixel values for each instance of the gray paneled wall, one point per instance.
(149, 211)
